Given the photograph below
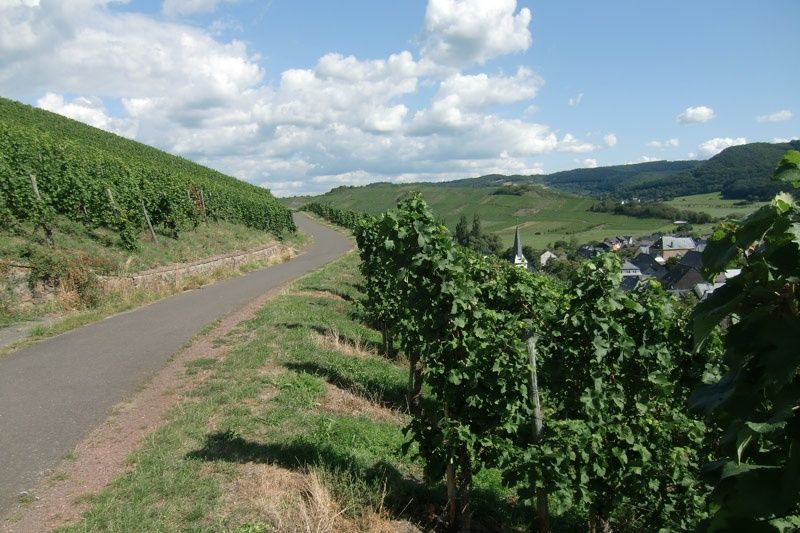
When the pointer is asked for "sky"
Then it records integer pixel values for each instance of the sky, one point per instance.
(303, 96)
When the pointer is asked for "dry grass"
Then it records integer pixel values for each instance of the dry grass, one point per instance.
(319, 294)
(286, 500)
(298, 502)
(332, 340)
(342, 402)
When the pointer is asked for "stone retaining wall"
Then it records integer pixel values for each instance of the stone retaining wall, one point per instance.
(14, 278)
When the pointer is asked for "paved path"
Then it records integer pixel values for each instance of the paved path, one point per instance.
(11, 334)
(54, 392)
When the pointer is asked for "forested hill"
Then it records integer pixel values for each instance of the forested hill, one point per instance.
(739, 172)
(79, 168)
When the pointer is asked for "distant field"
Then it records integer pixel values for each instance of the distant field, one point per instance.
(713, 204)
(544, 215)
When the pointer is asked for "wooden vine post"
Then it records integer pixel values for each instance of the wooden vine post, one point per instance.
(149, 224)
(114, 205)
(48, 231)
(542, 513)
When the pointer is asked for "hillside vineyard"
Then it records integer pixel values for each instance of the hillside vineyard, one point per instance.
(50, 164)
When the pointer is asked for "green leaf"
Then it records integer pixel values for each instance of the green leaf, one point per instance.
(789, 169)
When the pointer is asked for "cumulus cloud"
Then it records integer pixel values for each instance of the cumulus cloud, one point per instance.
(575, 101)
(717, 144)
(785, 139)
(661, 145)
(342, 120)
(589, 163)
(89, 110)
(779, 116)
(458, 33)
(610, 140)
(643, 159)
(694, 115)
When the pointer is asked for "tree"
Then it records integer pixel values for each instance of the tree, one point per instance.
(462, 231)
(477, 230)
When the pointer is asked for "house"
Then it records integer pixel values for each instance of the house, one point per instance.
(682, 279)
(700, 245)
(588, 251)
(545, 257)
(669, 246)
(649, 267)
(629, 283)
(609, 245)
(519, 258)
(703, 290)
(629, 269)
(693, 259)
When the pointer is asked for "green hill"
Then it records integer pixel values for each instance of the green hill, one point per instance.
(739, 173)
(545, 215)
(557, 206)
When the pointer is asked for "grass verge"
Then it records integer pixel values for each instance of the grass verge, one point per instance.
(299, 428)
(114, 302)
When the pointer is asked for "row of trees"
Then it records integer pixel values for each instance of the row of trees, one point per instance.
(651, 210)
(579, 392)
(43, 174)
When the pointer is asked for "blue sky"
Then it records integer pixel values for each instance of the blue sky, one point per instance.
(304, 96)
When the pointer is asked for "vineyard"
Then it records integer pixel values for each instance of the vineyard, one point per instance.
(626, 409)
(52, 165)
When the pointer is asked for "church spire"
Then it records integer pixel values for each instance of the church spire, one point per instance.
(519, 257)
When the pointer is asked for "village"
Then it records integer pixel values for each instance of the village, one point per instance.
(676, 262)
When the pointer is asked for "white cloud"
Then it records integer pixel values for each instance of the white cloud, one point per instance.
(643, 159)
(172, 8)
(717, 144)
(570, 144)
(779, 116)
(575, 101)
(589, 163)
(479, 90)
(785, 139)
(89, 110)
(696, 114)
(386, 119)
(463, 32)
(661, 145)
(610, 140)
(341, 120)
(691, 155)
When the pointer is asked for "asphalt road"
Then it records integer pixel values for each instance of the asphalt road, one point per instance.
(54, 392)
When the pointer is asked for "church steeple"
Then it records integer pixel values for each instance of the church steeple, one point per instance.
(519, 257)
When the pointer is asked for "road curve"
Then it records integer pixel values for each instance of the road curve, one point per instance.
(54, 392)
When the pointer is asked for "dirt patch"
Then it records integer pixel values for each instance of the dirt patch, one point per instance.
(100, 457)
(342, 402)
